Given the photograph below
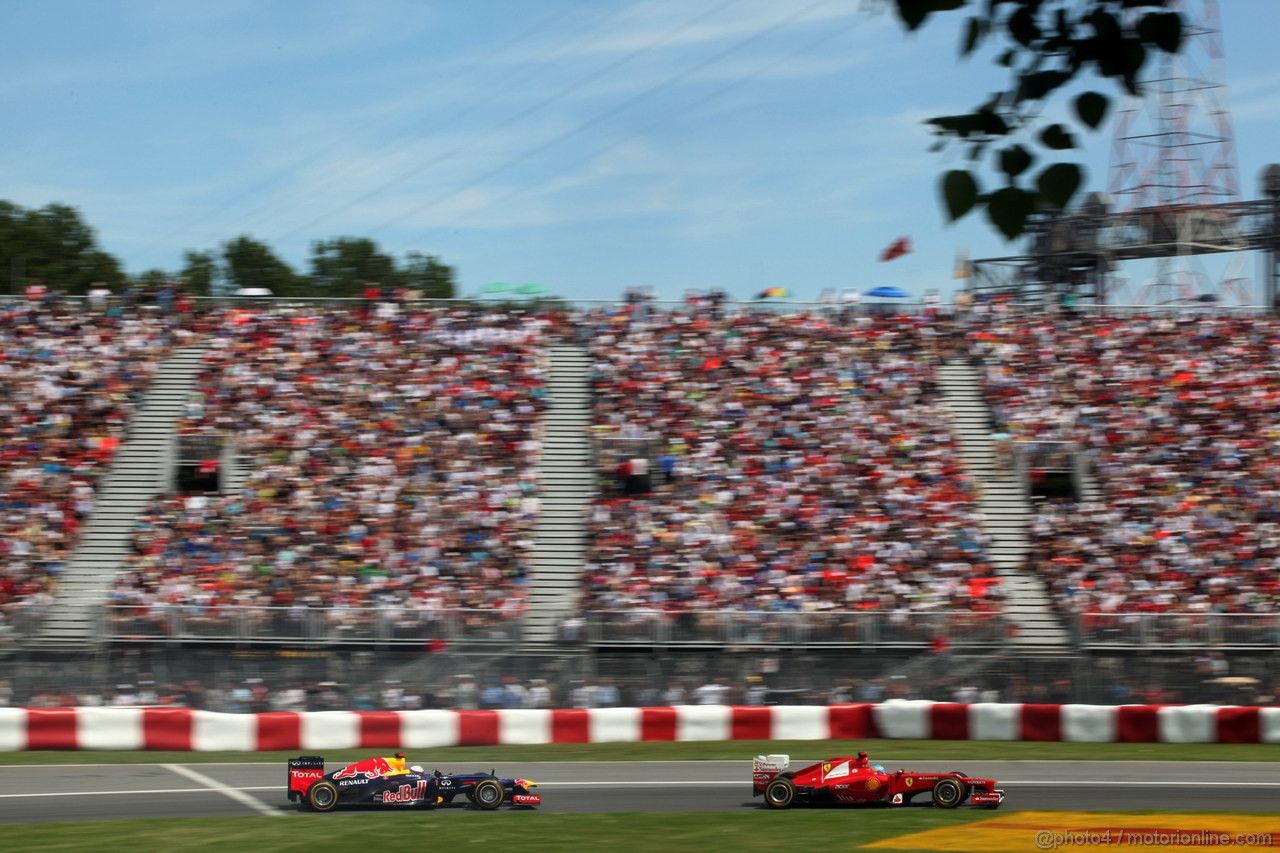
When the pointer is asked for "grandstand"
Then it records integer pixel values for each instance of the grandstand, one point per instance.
(753, 485)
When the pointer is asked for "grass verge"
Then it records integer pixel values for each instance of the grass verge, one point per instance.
(523, 831)
(891, 750)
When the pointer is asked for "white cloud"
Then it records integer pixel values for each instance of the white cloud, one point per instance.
(219, 42)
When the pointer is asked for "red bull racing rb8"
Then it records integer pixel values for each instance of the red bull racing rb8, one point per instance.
(390, 781)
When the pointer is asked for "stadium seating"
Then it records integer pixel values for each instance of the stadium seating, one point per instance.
(68, 382)
(803, 465)
(1179, 415)
(389, 460)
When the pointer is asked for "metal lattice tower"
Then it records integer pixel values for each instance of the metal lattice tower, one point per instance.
(1174, 149)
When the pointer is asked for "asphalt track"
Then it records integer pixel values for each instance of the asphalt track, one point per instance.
(90, 791)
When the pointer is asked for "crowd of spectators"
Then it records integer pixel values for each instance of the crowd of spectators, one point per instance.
(69, 380)
(388, 459)
(1180, 418)
(803, 462)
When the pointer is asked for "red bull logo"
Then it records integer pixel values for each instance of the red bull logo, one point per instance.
(406, 793)
(370, 768)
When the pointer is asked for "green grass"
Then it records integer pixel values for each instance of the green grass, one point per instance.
(700, 751)
(752, 829)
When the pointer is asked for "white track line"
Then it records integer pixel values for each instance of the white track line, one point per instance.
(231, 793)
(151, 792)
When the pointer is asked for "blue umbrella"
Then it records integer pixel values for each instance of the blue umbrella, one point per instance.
(888, 292)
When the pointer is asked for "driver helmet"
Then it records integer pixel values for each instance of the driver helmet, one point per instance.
(879, 768)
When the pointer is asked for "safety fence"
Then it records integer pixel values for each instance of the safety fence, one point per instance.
(651, 627)
(1165, 631)
(319, 626)
(186, 729)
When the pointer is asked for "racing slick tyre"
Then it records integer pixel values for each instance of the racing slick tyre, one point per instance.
(779, 793)
(322, 796)
(488, 794)
(948, 793)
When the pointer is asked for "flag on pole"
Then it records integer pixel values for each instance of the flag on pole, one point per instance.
(896, 249)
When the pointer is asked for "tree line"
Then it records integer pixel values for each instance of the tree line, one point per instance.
(54, 246)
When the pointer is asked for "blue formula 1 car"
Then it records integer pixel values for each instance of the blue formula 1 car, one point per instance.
(388, 781)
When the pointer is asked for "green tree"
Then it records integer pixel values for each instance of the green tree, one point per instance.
(428, 275)
(52, 245)
(344, 266)
(153, 278)
(199, 272)
(101, 267)
(246, 262)
(1045, 45)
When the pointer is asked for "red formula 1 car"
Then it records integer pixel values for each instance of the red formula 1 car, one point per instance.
(854, 781)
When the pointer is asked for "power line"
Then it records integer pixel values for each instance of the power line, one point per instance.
(472, 105)
(528, 32)
(523, 114)
(812, 45)
(609, 113)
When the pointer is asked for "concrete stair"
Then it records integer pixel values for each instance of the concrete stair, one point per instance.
(143, 467)
(1005, 511)
(567, 483)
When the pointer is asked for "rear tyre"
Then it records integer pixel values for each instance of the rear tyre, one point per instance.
(779, 793)
(488, 794)
(322, 796)
(948, 793)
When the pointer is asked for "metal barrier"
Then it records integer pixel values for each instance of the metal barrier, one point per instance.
(650, 627)
(896, 306)
(307, 626)
(1177, 630)
(19, 622)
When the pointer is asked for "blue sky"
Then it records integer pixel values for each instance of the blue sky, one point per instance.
(588, 145)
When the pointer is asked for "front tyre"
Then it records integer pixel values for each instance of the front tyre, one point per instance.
(322, 796)
(948, 793)
(779, 793)
(488, 794)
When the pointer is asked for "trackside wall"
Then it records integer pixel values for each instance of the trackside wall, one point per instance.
(184, 729)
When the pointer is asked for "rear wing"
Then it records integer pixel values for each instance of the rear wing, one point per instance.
(304, 771)
(764, 768)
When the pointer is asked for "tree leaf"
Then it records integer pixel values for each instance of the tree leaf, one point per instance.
(1091, 108)
(959, 192)
(960, 125)
(1055, 136)
(1163, 29)
(1132, 57)
(1022, 26)
(974, 31)
(1058, 183)
(1033, 87)
(913, 12)
(1008, 210)
(1015, 160)
(1006, 59)
(991, 123)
